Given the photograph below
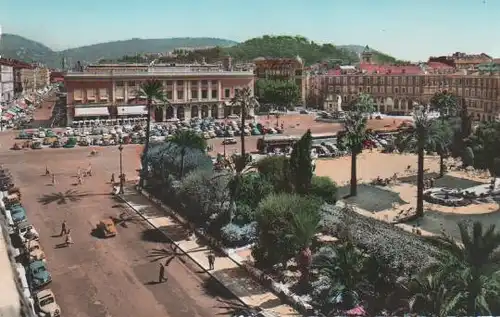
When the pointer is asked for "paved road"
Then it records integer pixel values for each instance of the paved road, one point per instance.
(96, 277)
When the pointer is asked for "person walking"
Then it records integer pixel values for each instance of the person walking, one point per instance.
(47, 172)
(64, 229)
(69, 240)
(161, 276)
(113, 178)
(53, 179)
(80, 180)
(211, 260)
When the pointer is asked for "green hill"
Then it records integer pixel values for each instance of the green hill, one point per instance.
(18, 47)
(289, 46)
(378, 56)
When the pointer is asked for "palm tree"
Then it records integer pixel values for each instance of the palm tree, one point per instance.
(152, 90)
(439, 140)
(185, 140)
(445, 103)
(417, 136)
(305, 226)
(355, 133)
(343, 267)
(244, 99)
(470, 268)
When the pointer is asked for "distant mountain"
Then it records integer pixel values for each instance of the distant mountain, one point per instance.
(18, 47)
(377, 55)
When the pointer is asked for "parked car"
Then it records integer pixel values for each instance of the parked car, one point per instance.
(228, 141)
(38, 275)
(34, 251)
(46, 305)
(18, 213)
(26, 232)
(106, 228)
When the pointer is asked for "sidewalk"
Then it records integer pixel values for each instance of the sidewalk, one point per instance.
(227, 272)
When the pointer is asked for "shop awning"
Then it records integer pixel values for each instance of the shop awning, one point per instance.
(131, 111)
(92, 112)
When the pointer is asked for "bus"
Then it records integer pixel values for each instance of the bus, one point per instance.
(268, 143)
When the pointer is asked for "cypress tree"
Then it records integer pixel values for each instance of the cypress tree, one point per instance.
(301, 167)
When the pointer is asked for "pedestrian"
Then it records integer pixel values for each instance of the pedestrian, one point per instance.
(53, 179)
(64, 229)
(47, 172)
(161, 277)
(89, 170)
(69, 240)
(211, 260)
(112, 178)
(80, 180)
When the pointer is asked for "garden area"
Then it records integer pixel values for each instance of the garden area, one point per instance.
(280, 209)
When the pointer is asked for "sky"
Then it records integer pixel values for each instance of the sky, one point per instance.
(407, 29)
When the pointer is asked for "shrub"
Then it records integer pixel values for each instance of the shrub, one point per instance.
(235, 236)
(324, 188)
(243, 214)
(253, 189)
(468, 157)
(275, 170)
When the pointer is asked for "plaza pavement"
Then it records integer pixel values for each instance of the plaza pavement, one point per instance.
(227, 271)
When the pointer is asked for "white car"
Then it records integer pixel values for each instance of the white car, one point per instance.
(46, 305)
(26, 232)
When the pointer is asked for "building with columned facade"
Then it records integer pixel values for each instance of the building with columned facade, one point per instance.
(193, 91)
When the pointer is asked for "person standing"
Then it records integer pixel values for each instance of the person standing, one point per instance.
(211, 260)
(64, 229)
(53, 179)
(161, 276)
(113, 178)
(47, 172)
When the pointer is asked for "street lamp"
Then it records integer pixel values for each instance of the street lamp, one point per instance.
(120, 148)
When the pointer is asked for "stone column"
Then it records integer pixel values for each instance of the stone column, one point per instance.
(209, 92)
(125, 93)
(219, 90)
(220, 110)
(175, 111)
(210, 115)
(164, 113)
(199, 89)
(174, 90)
(200, 109)
(187, 112)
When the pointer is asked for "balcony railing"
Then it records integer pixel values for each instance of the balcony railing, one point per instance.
(160, 71)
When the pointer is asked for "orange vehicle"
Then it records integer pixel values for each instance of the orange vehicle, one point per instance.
(106, 228)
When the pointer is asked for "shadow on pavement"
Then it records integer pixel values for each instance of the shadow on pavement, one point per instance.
(236, 279)
(69, 196)
(174, 232)
(213, 288)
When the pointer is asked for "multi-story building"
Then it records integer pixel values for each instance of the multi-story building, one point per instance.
(6, 83)
(397, 91)
(192, 91)
(282, 69)
(34, 78)
(460, 60)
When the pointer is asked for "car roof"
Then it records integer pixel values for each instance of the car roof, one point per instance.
(24, 224)
(37, 264)
(107, 221)
(44, 293)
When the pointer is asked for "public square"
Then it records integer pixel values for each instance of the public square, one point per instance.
(96, 277)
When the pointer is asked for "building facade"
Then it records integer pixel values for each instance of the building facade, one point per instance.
(398, 93)
(193, 91)
(6, 83)
(282, 69)
(33, 78)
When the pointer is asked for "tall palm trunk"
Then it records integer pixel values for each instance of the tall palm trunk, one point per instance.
(420, 177)
(243, 121)
(441, 165)
(146, 143)
(354, 172)
(183, 154)
(304, 260)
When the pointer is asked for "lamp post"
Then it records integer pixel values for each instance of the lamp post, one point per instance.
(120, 148)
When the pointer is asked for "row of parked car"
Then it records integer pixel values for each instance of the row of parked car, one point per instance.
(31, 264)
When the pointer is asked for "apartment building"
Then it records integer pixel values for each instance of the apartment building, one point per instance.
(193, 91)
(6, 83)
(282, 69)
(34, 78)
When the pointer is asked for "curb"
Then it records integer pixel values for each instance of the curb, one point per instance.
(178, 248)
(257, 275)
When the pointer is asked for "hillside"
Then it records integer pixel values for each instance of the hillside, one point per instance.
(378, 56)
(15, 46)
(289, 46)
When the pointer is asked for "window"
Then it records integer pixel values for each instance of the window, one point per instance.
(396, 90)
(194, 83)
(180, 83)
(330, 80)
(236, 91)
(204, 94)
(180, 94)
(214, 94)
(214, 83)
(169, 83)
(403, 90)
(131, 83)
(298, 72)
(227, 93)
(204, 82)
(119, 84)
(194, 93)
(169, 95)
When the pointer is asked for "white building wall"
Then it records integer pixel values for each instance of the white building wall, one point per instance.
(6, 83)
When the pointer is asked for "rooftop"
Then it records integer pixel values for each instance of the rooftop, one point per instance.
(391, 69)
